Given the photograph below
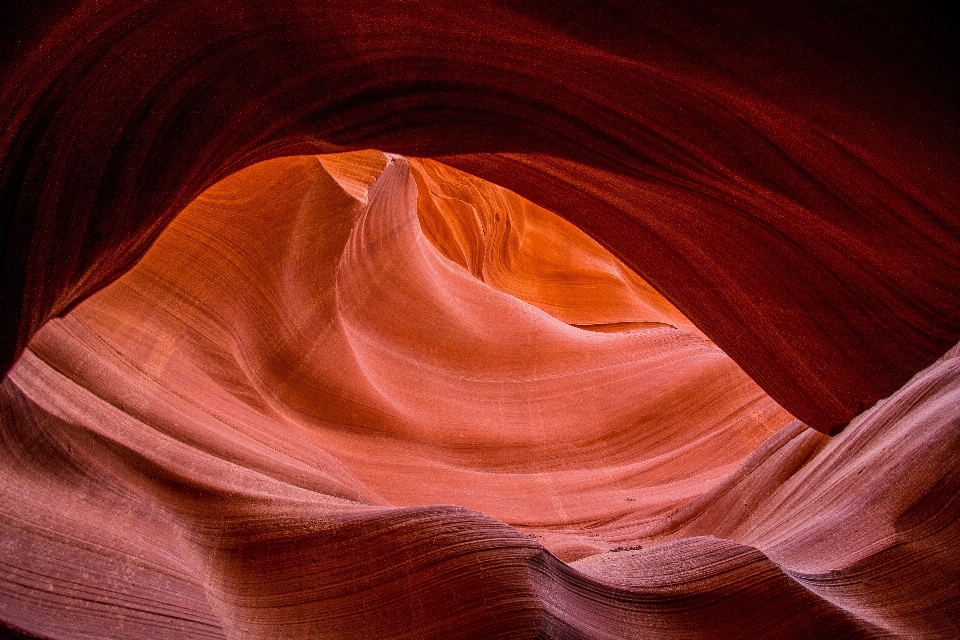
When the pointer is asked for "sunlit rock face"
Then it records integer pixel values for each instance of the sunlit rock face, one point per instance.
(784, 175)
(340, 397)
(373, 396)
(344, 325)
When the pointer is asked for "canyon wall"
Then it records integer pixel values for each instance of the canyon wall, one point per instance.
(785, 176)
(640, 322)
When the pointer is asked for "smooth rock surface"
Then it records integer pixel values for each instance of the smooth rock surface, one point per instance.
(784, 175)
(334, 430)
(370, 395)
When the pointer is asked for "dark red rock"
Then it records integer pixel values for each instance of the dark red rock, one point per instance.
(258, 432)
(785, 177)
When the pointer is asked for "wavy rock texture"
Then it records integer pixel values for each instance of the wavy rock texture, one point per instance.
(524, 250)
(264, 436)
(261, 430)
(784, 175)
(349, 327)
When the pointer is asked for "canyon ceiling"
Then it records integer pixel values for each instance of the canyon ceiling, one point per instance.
(479, 319)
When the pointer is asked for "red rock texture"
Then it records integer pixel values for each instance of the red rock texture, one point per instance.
(276, 435)
(365, 396)
(784, 175)
(349, 326)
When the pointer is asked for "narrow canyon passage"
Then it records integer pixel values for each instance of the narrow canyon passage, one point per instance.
(345, 326)
(479, 319)
(334, 378)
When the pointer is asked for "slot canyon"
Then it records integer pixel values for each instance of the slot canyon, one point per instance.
(479, 319)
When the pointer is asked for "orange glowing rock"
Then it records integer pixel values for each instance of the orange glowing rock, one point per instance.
(286, 418)
(261, 383)
(295, 291)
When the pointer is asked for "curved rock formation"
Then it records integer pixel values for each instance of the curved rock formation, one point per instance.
(786, 177)
(369, 395)
(346, 325)
(264, 435)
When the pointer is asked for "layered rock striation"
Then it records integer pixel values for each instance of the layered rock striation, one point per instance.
(380, 419)
(260, 383)
(785, 176)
